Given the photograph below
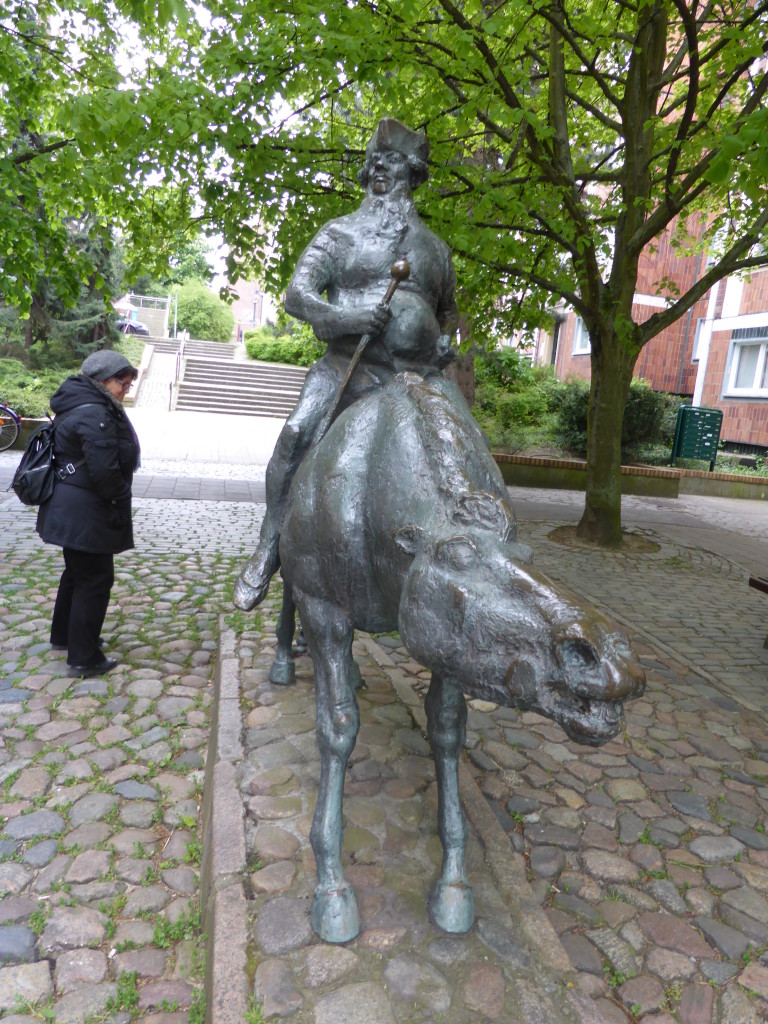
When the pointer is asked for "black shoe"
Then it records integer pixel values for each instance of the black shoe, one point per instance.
(100, 668)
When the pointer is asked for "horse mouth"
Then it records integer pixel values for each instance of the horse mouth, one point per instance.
(590, 721)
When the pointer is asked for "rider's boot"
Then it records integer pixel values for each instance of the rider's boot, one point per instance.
(253, 582)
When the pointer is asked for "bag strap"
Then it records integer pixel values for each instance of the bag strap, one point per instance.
(70, 468)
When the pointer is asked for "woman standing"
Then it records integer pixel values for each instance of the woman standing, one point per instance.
(89, 513)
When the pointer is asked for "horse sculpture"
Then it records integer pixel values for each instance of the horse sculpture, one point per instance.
(398, 519)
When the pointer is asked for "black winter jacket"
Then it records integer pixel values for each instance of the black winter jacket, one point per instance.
(90, 509)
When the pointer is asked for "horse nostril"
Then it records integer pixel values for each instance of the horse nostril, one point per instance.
(577, 655)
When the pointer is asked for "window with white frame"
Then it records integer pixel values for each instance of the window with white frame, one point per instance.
(748, 374)
(581, 345)
(697, 340)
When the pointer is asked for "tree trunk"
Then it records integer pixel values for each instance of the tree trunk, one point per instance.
(612, 366)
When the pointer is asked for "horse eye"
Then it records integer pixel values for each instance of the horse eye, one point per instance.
(458, 552)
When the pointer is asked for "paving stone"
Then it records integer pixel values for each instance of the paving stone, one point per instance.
(148, 899)
(717, 971)
(746, 901)
(275, 989)
(132, 790)
(696, 1004)
(26, 984)
(547, 861)
(691, 804)
(283, 925)
(620, 953)
(608, 867)
(505, 942)
(14, 877)
(667, 895)
(668, 965)
(79, 967)
(91, 808)
(326, 964)
(165, 991)
(643, 991)
(737, 1008)
(16, 908)
(672, 933)
(72, 927)
(146, 963)
(88, 866)
(583, 954)
(484, 991)
(36, 825)
(414, 980)
(87, 1003)
(361, 1003)
(715, 849)
(18, 944)
(41, 853)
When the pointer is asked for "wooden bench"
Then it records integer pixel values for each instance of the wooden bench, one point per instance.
(760, 583)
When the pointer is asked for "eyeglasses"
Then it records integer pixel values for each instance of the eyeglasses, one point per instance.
(124, 382)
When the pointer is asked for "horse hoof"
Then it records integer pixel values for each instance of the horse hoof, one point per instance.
(282, 673)
(452, 907)
(245, 597)
(334, 914)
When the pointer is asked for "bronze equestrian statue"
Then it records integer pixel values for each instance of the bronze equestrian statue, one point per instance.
(397, 518)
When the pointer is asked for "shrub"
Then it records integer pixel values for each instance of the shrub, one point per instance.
(203, 313)
(28, 392)
(270, 345)
(646, 414)
(511, 399)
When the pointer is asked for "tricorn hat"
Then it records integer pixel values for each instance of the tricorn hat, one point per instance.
(393, 134)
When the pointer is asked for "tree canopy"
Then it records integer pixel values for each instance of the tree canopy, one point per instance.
(203, 313)
(566, 139)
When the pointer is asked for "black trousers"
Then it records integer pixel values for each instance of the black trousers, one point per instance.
(81, 605)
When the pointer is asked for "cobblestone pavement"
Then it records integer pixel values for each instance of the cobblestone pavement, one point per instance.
(102, 778)
(612, 885)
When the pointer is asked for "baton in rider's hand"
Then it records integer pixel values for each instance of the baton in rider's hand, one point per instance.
(399, 271)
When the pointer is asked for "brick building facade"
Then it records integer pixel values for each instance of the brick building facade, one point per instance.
(717, 352)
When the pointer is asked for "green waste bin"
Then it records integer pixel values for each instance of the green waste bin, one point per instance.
(697, 434)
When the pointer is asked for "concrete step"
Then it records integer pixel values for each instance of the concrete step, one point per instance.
(200, 370)
(210, 350)
(244, 389)
(255, 406)
(165, 346)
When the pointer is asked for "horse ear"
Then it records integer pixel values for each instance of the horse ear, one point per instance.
(410, 539)
(478, 508)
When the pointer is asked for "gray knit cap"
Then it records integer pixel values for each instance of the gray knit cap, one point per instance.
(105, 364)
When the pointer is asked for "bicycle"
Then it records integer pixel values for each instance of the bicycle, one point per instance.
(10, 426)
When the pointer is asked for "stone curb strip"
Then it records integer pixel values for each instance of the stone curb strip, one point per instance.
(222, 893)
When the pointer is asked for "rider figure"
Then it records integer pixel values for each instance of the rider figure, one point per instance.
(337, 287)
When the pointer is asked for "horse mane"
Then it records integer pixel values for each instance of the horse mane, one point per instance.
(456, 456)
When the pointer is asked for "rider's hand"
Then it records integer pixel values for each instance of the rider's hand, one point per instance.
(364, 319)
(445, 351)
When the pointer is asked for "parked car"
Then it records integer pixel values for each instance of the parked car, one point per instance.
(131, 327)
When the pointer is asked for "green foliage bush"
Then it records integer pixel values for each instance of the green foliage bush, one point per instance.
(28, 392)
(511, 399)
(203, 313)
(270, 344)
(646, 416)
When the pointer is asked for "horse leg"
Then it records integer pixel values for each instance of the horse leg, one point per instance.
(283, 670)
(329, 634)
(451, 905)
